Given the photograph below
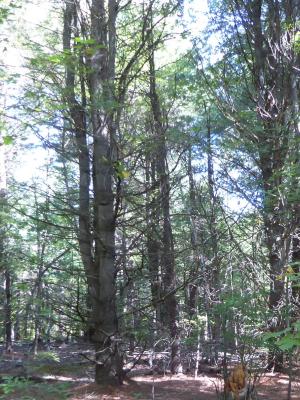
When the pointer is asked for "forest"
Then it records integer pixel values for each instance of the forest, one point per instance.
(150, 199)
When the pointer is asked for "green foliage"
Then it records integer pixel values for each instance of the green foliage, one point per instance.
(46, 222)
(83, 41)
(4, 13)
(26, 389)
(193, 326)
(11, 384)
(47, 356)
(7, 140)
(120, 170)
(297, 42)
(59, 58)
(138, 395)
(7, 9)
(286, 339)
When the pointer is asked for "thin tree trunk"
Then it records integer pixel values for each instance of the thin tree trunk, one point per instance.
(78, 118)
(214, 278)
(8, 312)
(3, 258)
(167, 258)
(153, 240)
(37, 307)
(296, 268)
(193, 288)
(17, 330)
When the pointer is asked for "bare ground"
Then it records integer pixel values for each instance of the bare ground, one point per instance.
(70, 375)
(272, 387)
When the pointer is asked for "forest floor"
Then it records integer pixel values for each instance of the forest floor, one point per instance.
(65, 373)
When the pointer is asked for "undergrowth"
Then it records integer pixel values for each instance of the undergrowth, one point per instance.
(24, 389)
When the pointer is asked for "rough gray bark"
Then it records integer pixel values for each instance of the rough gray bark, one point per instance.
(91, 97)
(103, 290)
(96, 233)
(153, 238)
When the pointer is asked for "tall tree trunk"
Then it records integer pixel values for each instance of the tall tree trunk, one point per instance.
(274, 85)
(293, 16)
(8, 312)
(103, 289)
(167, 257)
(296, 268)
(79, 126)
(90, 82)
(153, 239)
(271, 61)
(193, 286)
(97, 217)
(37, 307)
(3, 257)
(17, 324)
(214, 273)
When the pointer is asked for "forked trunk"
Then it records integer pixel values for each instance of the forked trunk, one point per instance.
(96, 233)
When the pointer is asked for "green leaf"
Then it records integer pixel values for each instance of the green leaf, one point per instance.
(120, 170)
(7, 140)
(288, 342)
(124, 174)
(56, 58)
(84, 41)
(22, 286)
(272, 335)
(297, 325)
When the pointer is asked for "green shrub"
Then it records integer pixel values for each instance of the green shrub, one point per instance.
(24, 389)
(47, 356)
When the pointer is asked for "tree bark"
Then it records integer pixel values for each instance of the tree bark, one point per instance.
(193, 286)
(153, 239)
(267, 45)
(296, 268)
(103, 289)
(3, 258)
(8, 312)
(37, 308)
(170, 312)
(96, 233)
(214, 273)
(274, 83)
